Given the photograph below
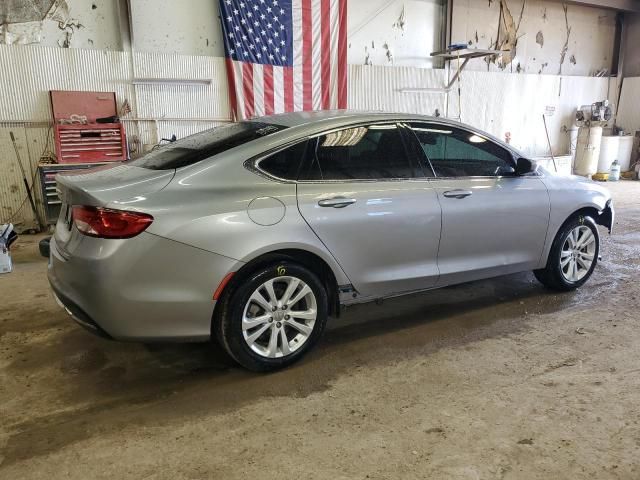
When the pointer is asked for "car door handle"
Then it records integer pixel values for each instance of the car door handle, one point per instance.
(457, 193)
(337, 202)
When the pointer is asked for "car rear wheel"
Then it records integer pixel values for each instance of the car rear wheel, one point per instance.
(573, 255)
(274, 317)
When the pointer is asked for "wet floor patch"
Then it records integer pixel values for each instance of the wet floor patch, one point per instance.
(99, 376)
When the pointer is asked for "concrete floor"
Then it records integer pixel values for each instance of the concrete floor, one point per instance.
(495, 379)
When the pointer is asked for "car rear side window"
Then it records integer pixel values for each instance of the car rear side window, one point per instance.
(285, 164)
(458, 153)
(359, 153)
(200, 146)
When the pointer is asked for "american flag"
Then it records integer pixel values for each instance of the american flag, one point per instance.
(285, 55)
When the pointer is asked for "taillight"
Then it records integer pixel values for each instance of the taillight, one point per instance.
(108, 223)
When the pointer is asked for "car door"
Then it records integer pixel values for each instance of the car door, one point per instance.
(493, 221)
(370, 204)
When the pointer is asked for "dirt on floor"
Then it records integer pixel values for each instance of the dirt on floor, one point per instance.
(493, 379)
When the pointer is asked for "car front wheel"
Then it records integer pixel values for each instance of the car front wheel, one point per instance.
(573, 255)
(274, 317)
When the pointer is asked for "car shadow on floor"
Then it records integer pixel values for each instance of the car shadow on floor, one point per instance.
(443, 314)
(93, 378)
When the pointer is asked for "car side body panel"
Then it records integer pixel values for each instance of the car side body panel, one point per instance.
(500, 228)
(567, 195)
(225, 209)
(387, 240)
(215, 216)
(131, 294)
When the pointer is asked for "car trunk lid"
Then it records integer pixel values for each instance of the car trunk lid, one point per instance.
(101, 186)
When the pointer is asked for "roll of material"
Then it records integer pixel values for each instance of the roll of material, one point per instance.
(609, 147)
(588, 150)
(573, 140)
(624, 152)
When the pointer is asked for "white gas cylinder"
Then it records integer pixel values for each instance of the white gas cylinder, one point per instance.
(588, 150)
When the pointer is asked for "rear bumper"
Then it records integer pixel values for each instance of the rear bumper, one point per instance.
(146, 288)
(79, 316)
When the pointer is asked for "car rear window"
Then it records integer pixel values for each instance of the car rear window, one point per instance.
(195, 148)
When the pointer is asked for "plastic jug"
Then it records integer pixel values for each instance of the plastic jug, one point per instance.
(614, 173)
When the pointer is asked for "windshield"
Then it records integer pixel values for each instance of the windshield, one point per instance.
(195, 148)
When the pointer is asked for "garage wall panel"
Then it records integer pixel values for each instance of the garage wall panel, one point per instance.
(629, 112)
(157, 110)
(29, 73)
(493, 101)
(26, 77)
(500, 103)
(385, 88)
(399, 32)
(496, 102)
(541, 32)
(61, 23)
(12, 190)
(206, 101)
(185, 28)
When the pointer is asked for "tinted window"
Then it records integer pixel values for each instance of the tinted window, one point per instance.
(194, 148)
(286, 163)
(458, 153)
(371, 152)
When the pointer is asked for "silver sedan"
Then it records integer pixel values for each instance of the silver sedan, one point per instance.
(256, 232)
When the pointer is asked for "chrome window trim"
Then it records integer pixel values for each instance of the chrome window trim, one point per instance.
(364, 180)
(356, 125)
(473, 132)
(253, 164)
(489, 177)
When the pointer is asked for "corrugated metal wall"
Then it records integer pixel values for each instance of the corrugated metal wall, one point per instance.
(28, 73)
(158, 111)
(190, 108)
(495, 102)
(385, 88)
(492, 101)
(515, 103)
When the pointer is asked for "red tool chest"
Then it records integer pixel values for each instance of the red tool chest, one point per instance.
(78, 137)
(98, 142)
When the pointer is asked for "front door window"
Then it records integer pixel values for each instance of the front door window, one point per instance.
(455, 152)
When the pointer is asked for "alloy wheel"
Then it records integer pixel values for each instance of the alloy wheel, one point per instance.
(279, 317)
(578, 253)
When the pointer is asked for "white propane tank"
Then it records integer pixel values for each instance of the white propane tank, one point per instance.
(608, 152)
(588, 150)
(624, 153)
(614, 173)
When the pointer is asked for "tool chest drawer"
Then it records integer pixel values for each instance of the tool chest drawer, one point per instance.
(103, 142)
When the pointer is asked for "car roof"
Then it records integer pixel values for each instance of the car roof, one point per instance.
(295, 119)
(329, 119)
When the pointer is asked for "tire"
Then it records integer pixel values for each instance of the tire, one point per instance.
(567, 250)
(247, 330)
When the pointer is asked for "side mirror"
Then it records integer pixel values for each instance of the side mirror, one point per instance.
(524, 166)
